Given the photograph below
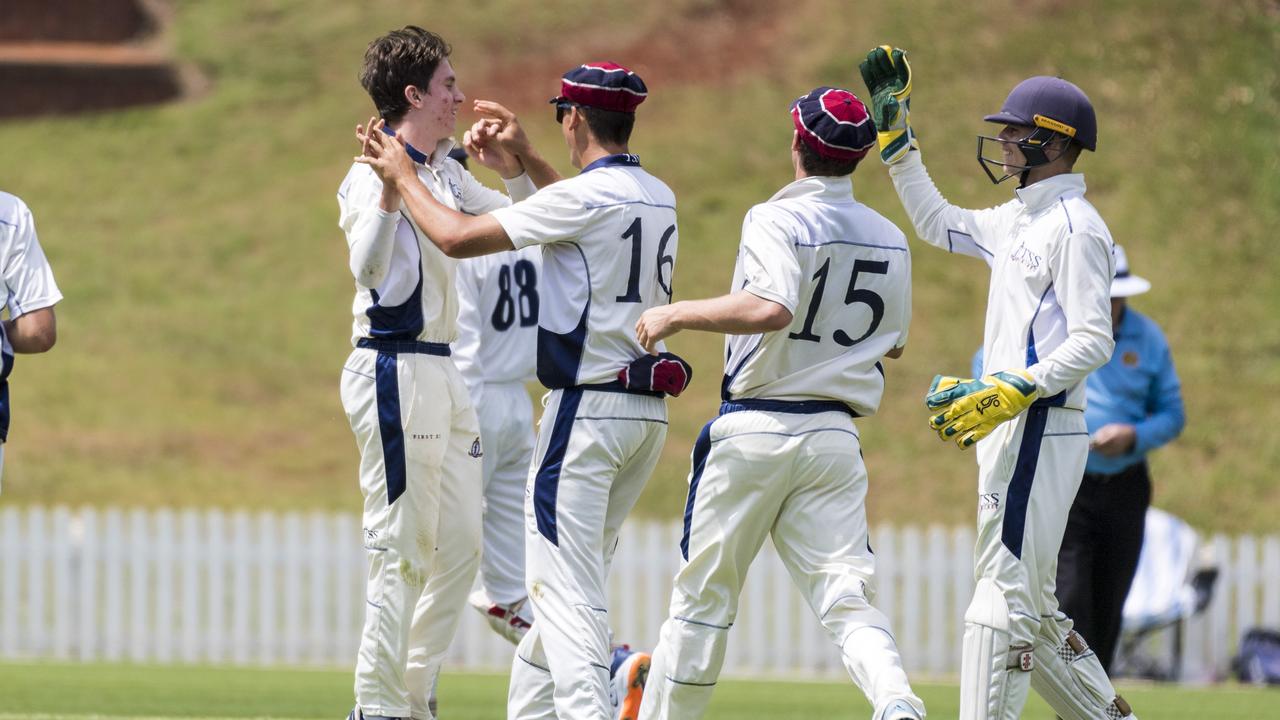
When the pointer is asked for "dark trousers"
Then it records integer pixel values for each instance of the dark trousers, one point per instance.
(1099, 554)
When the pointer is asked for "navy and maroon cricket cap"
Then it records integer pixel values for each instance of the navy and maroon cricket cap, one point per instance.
(834, 123)
(1051, 103)
(603, 85)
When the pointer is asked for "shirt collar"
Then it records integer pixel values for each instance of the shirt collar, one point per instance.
(437, 156)
(819, 187)
(1040, 195)
(619, 160)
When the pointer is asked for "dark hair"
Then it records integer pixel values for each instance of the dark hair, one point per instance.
(400, 58)
(815, 164)
(609, 126)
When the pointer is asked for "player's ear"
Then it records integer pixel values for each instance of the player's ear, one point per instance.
(795, 141)
(413, 95)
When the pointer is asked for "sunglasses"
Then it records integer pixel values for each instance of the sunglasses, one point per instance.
(562, 108)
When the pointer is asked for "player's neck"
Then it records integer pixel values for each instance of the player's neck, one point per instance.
(1044, 172)
(415, 136)
(596, 150)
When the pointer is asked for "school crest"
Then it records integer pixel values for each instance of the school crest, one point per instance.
(1129, 358)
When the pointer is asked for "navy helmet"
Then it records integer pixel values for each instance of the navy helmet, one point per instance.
(1051, 108)
(1054, 104)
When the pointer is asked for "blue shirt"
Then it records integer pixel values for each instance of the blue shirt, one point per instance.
(1138, 386)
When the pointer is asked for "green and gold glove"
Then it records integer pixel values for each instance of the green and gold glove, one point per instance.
(971, 409)
(888, 78)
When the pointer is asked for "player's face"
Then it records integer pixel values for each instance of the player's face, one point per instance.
(1014, 160)
(441, 101)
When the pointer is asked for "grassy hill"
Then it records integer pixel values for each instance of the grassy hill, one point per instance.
(206, 317)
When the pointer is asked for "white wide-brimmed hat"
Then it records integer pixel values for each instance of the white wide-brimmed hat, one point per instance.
(1126, 284)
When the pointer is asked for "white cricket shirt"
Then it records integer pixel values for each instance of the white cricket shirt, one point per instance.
(26, 280)
(1051, 258)
(844, 272)
(608, 240)
(416, 300)
(499, 302)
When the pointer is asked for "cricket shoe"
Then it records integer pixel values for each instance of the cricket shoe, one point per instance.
(511, 620)
(627, 675)
(899, 710)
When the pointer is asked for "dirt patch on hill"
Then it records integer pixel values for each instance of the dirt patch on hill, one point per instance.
(711, 41)
(62, 57)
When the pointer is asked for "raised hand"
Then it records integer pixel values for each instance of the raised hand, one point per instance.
(509, 133)
(888, 77)
(482, 142)
(386, 154)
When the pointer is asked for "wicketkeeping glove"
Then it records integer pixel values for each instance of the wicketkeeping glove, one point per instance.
(888, 78)
(971, 409)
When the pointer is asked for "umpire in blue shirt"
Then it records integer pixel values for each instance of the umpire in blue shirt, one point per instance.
(1134, 405)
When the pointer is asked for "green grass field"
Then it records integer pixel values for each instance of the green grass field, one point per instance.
(207, 303)
(48, 691)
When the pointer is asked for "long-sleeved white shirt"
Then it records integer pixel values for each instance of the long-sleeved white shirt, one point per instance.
(1051, 259)
(405, 287)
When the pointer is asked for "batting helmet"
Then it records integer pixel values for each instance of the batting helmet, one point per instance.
(1054, 104)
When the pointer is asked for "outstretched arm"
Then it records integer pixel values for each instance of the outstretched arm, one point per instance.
(937, 221)
(457, 235)
(888, 77)
(739, 313)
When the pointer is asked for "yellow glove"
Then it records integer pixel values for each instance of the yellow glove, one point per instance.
(888, 77)
(971, 409)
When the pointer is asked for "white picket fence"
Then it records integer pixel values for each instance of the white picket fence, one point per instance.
(265, 589)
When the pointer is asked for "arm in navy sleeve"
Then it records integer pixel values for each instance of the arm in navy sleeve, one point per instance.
(1165, 417)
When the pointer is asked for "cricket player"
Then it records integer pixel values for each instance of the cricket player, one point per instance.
(415, 426)
(609, 239)
(1048, 326)
(821, 293)
(26, 280)
(496, 353)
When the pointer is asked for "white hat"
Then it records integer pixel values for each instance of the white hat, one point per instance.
(1126, 284)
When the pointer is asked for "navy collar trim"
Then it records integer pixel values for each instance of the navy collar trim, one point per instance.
(414, 153)
(621, 159)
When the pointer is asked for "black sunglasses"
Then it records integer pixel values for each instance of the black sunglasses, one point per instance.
(562, 108)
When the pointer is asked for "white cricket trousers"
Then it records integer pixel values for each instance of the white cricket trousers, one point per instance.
(1029, 470)
(420, 457)
(799, 477)
(595, 452)
(506, 428)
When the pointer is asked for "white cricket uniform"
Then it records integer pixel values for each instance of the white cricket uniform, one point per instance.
(1049, 312)
(27, 284)
(496, 352)
(609, 241)
(417, 433)
(784, 456)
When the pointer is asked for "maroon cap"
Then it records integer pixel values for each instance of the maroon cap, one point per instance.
(603, 85)
(834, 123)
